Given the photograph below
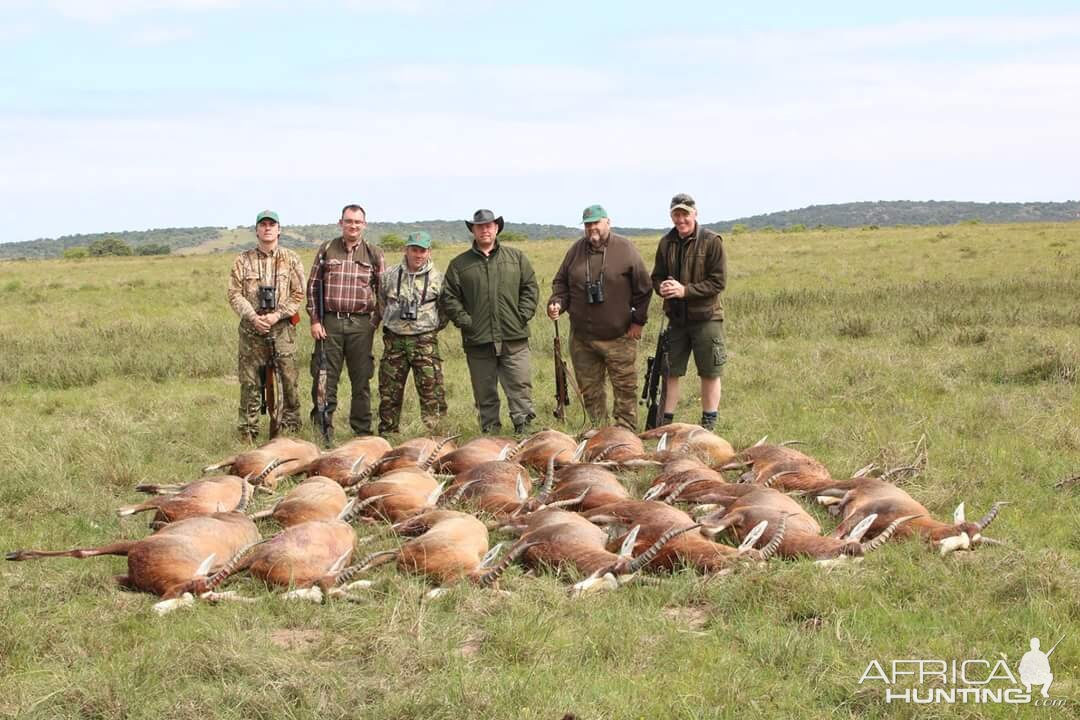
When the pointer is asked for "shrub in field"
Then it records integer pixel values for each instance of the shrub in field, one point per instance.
(76, 253)
(391, 241)
(109, 246)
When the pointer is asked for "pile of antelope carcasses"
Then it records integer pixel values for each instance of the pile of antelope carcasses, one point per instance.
(561, 505)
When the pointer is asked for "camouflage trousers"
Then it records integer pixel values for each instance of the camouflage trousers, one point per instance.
(595, 359)
(421, 354)
(254, 354)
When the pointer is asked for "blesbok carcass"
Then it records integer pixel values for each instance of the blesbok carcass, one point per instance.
(615, 445)
(590, 485)
(780, 467)
(471, 454)
(564, 540)
(400, 494)
(692, 549)
(502, 489)
(201, 497)
(166, 562)
(687, 479)
(683, 439)
(409, 459)
(292, 452)
(452, 546)
(537, 450)
(317, 498)
(856, 500)
(348, 459)
(802, 537)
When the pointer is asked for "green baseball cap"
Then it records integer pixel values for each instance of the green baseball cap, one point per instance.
(593, 213)
(267, 214)
(419, 239)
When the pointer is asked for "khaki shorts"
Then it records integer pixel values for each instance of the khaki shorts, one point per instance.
(706, 339)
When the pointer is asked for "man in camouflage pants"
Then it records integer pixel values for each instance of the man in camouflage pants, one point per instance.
(408, 304)
(267, 322)
(604, 286)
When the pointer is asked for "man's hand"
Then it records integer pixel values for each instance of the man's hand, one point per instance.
(671, 288)
(263, 323)
(634, 331)
(318, 331)
(553, 310)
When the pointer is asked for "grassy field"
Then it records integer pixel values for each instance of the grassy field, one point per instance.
(857, 342)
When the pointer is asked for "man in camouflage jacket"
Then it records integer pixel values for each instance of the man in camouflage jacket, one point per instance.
(408, 305)
(262, 329)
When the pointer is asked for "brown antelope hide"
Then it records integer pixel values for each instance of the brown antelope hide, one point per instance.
(317, 498)
(689, 480)
(346, 460)
(537, 450)
(201, 497)
(591, 486)
(166, 562)
(564, 540)
(400, 494)
(406, 458)
(471, 454)
(802, 537)
(856, 500)
(780, 467)
(615, 446)
(682, 439)
(453, 547)
(292, 452)
(691, 549)
(500, 488)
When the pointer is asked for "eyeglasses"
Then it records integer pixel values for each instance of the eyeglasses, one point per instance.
(353, 222)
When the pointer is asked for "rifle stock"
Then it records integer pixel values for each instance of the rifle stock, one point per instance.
(321, 413)
(656, 370)
(270, 388)
(562, 393)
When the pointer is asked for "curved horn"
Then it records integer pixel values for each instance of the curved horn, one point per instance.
(361, 476)
(429, 461)
(646, 557)
(235, 564)
(276, 462)
(567, 503)
(884, 535)
(776, 476)
(488, 579)
(778, 537)
(674, 494)
(760, 442)
(991, 514)
(608, 450)
(512, 452)
(655, 491)
(367, 563)
(549, 480)
(245, 494)
(352, 511)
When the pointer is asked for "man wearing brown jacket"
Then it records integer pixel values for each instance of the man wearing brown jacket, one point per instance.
(690, 274)
(604, 285)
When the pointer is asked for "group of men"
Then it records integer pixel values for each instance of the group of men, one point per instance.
(490, 293)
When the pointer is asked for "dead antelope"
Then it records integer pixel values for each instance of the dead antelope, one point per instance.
(682, 439)
(346, 460)
(293, 454)
(565, 540)
(692, 549)
(802, 537)
(780, 467)
(615, 446)
(471, 454)
(591, 486)
(452, 547)
(408, 459)
(856, 500)
(400, 494)
(201, 497)
(537, 450)
(317, 498)
(166, 562)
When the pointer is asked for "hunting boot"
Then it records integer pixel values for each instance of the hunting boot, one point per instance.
(708, 420)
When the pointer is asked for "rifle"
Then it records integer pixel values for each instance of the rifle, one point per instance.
(319, 369)
(269, 387)
(562, 394)
(656, 371)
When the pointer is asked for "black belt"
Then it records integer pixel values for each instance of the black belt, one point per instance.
(347, 315)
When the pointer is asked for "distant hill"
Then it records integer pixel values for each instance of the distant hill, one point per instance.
(857, 214)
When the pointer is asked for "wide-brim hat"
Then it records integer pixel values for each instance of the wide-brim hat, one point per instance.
(483, 217)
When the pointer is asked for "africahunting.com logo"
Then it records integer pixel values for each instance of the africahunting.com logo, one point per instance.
(926, 682)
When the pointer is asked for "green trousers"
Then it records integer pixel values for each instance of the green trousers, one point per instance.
(348, 343)
(508, 365)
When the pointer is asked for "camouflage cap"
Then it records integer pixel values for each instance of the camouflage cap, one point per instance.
(419, 239)
(267, 215)
(682, 201)
(593, 213)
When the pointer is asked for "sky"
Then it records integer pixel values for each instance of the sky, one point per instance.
(134, 114)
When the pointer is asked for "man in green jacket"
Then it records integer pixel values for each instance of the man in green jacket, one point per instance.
(490, 294)
(690, 273)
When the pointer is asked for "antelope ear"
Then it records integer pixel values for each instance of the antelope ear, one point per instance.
(579, 451)
(859, 530)
(340, 563)
(662, 444)
(522, 491)
(348, 508)
(504, 452)
(490, 556)
(220, 507)
(627, 548)
(754, 535)
(760, 442)
(958, 514)
(654, 491)
(205, 565)
(359, 461)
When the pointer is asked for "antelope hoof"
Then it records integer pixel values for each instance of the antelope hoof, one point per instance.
(167, 606)
(311, 594)
(827, 500)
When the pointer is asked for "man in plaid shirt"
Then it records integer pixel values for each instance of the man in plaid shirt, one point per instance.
(346, 273)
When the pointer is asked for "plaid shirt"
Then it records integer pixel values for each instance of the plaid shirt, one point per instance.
(347, 277)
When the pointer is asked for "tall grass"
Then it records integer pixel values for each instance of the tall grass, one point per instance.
(119, 371)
